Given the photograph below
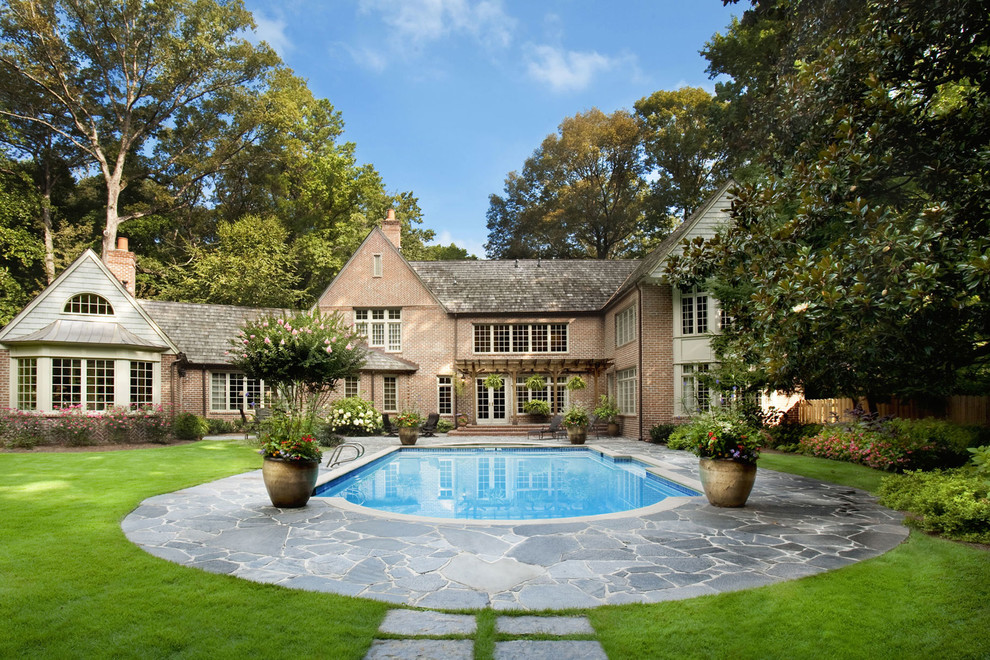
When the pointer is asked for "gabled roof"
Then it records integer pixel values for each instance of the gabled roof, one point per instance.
(66, 331)
(662, 251)
(523, 285)
(203, 332)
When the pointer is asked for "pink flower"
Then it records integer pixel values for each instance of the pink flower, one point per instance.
(329, 349)
(350, 346)
(267, 340)
(245, 342)
(295, 332)
(252, 336)
(282, 343)
(265, 324)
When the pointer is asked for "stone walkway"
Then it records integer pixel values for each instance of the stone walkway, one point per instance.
(791, 527)
(413, 626)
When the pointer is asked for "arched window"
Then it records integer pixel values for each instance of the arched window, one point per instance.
(88, 303)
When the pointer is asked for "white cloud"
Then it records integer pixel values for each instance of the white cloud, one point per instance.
(272, 31)
(418, 22)
(473, 246)
(568, 70)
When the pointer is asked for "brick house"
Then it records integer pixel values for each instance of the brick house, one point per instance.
(436, 331)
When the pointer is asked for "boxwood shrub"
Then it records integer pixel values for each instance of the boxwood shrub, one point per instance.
(952, 503)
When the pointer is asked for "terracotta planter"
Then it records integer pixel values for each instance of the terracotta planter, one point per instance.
(613, 429)
(289, 483)
(577, 436)
(408, 435)
(727, 483)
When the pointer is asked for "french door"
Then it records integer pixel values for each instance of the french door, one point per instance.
(490, 404)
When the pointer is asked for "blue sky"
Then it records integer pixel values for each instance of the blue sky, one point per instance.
(446, 97)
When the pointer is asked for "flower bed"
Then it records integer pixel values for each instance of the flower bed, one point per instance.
(75, 427)
(890, 450)
(354, 416)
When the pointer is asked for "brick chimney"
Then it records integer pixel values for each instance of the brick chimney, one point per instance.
(392, 229)
(121, 263)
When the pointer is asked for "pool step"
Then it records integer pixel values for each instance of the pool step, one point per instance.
(519, 430)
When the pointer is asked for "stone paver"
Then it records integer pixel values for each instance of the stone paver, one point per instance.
(549, 650)
(411, 623)
(790, 528)
(421, 649)
(545, 625)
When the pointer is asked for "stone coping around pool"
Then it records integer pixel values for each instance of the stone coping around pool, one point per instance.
(791, 527)
(657, 468)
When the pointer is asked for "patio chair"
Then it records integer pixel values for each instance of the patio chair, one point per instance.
(552, 430)
(596, 426)
(429, 428)
(389, 428)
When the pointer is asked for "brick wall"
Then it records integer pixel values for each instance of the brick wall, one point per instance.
(5, 379)
(121, 263)
(657, 378)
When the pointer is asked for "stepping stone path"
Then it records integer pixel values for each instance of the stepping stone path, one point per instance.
(413, 625)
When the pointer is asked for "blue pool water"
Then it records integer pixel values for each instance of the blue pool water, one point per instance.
(504, 483)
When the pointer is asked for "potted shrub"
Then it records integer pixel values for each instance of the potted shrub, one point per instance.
(576, 423)
(290, 469)
(462, 420)
(608, 412)
(728, 449)
(408, 422)
(537, 407)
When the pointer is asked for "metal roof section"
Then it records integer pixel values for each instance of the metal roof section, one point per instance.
(86, 332)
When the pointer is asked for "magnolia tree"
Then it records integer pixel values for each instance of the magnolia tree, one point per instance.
(301, 357)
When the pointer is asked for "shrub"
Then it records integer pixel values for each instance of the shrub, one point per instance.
(220, 426)
(953, 503)
(661, 433)
(187, 426)
(354, 416)
(443, 426)
(152, 424)
(685, 436)
(788, 433)
(950, 440)
(21, 430)
(536, 407)
(325, 436)
(74, 428)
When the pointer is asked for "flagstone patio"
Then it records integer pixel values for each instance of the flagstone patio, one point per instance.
(791, 527)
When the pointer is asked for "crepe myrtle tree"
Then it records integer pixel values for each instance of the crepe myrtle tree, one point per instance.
(301, 356)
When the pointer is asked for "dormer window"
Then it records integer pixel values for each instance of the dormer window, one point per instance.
(88, 303)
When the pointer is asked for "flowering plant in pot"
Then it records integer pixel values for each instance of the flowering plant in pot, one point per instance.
(576, 422)
(608, 411)
(728, 449)
(408, 422)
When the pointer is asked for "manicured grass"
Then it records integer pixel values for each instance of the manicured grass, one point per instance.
(73, 586)
(926, 598)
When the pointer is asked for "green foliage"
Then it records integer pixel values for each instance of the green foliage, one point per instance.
(536, 407)
(684, 148)
(789, 434)
(686, 437)
(302, 448)
(576, 417)
(858, 264)
(579, 195)
(408, 419)
(607, 410)
(443, 426)
(575, 383)
(187, 426)
(952, 503)
(661, 433)
(494, 382)
(981, 461)
(220, 426)
(536, 382)
(724, 434)
(354, 416)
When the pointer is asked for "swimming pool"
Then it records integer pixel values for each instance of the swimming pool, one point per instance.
(503, 483)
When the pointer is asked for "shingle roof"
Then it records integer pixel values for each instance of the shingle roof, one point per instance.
(65, 331)
(524, 285)
(383, 362)
(202, 331)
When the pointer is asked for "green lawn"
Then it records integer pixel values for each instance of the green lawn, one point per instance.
(71, 585)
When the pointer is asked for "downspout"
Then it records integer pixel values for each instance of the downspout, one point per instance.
(203, 372)
(453, 378)
(639, 369)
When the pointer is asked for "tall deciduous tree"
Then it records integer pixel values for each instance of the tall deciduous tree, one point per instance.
(172, 81)
(684, 148)
(579, 195)
(861, 265)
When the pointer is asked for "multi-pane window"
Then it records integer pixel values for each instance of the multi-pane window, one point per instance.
(27, 384)
(697, 395)
(390, 396)
(445, 395)
(554, 394)
(142, 383)
(625, 326)
(521, 338)
(382, 327)
(724, 320)
(625, 390)
(99, 384)
(233, 391)
(491, 477)
(445, 487)
(392, 480)
(351, 386)
(694, 312)
(66, 383)
(88, 303)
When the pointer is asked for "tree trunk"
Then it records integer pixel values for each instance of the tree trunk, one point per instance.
(113, 220)
(46, 221)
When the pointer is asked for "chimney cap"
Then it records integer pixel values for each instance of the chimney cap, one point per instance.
(390, 215)
(121, 243)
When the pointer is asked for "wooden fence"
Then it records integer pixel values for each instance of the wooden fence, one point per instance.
(958, 409)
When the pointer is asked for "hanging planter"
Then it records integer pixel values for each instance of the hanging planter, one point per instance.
(494, 382)
(536, 383)
(576, 383)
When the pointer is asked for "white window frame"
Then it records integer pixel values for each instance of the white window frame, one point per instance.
(352, 386)
(390, 394)
(445, 479)
(245, 400)
(88, 304)
(625, 326)
(536, 338)
(445, 395)
(695, 396)
(381, 327)
(27, 384)
(625, 390)
(695, 312)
